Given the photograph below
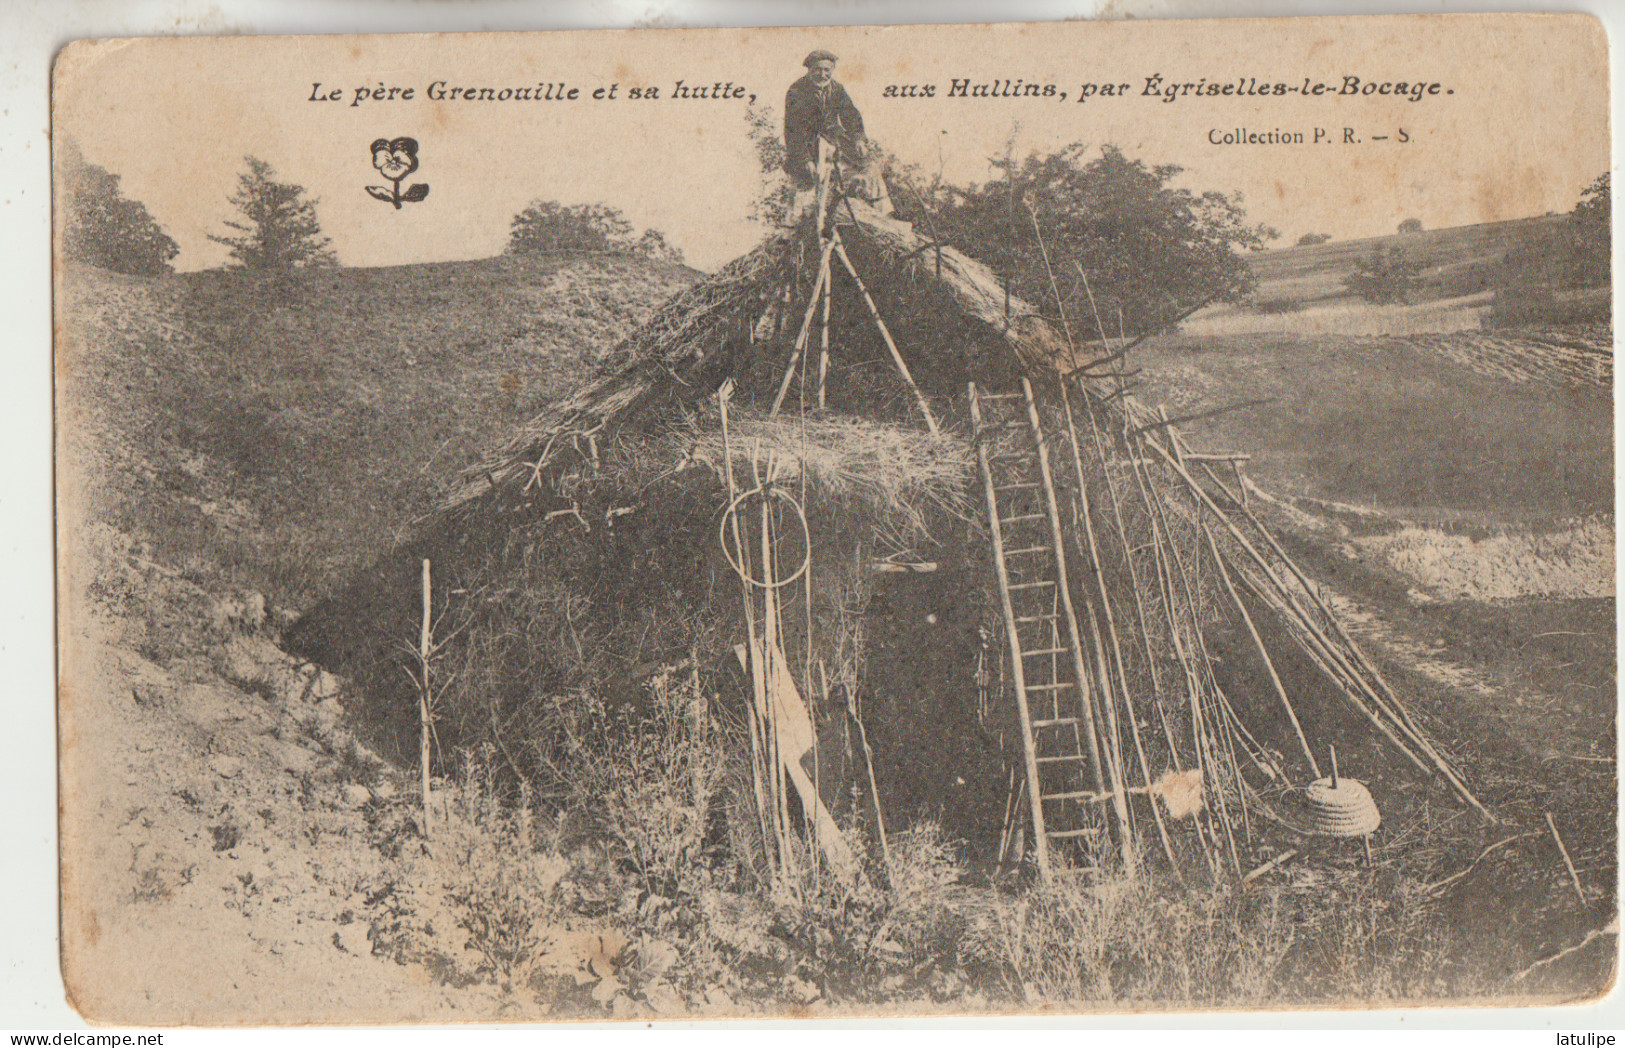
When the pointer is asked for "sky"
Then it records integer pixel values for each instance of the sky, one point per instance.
(1517, 125)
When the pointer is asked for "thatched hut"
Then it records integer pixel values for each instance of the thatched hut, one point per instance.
(803, 482)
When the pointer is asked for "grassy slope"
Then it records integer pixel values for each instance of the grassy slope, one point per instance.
(1388, 424)
(284, 433)
(1458, 261)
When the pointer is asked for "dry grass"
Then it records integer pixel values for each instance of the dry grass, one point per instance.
(894, 470)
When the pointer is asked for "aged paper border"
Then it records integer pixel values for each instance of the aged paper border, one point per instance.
(27, 511)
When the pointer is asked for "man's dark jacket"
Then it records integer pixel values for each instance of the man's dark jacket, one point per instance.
(809, 113)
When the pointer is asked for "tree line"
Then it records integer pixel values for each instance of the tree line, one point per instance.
(1111, 241)
(275, 228)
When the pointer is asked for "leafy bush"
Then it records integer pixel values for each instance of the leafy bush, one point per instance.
(1311, 239)
(1592, 219)
(279, 231)
(775, 194)
(491, 898)
(547, 226)
(1150, 250)
(103, 228)
(644, 781)
(1411, 225)
(1385, 276)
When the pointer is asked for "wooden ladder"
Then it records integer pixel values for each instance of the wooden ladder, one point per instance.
(1047, 662)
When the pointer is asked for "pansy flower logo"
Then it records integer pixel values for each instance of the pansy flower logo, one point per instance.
(395, 159)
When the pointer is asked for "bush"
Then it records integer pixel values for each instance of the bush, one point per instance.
(1311, 239)
(1411, 225)
(547, 226)
(643, 781)
(1385, 276)
(1592, 219)
(102, 228)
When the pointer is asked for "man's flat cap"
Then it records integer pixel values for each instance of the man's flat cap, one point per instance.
(818, 56)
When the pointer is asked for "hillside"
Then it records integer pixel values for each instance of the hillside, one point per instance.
(229, 449)
(1459, 260)
(285, 431)
(1302, 289)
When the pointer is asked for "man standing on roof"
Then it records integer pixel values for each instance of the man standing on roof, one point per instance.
(816, 106)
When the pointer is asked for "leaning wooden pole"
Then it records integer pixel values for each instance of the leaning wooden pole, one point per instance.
(425, 652)
(885, 334)
(1263, 651)
(820, 284)
(1106, 611)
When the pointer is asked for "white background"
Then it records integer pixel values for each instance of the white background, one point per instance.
(31, 31)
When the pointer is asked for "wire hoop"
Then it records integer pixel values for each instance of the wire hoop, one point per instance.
(806, 538)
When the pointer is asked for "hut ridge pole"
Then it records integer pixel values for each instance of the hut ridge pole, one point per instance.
(1034, 791)
(425, 651)
(885, 334)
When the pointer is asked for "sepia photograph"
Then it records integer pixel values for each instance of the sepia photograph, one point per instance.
(938, 520)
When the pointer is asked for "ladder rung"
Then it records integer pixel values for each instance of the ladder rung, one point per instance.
(1055, 721)
(1058, 834)
(1042, 651)
(1026, 549)
(999, 396)
(1031, 585)
(1010, 456)
(1019, 423)
(1063, 757)
(1023, 486)
(1035, 618)
(1073, 795)
(1022, 517)
(1050, 687)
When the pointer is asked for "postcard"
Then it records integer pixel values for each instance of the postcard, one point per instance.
(866, 521)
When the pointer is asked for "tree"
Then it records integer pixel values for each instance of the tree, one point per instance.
(652, 244)
(1411, 225)
(1385, 276)
(103, 228)
(547, 226)
(1592, 219)
(772, 204)
(279, 231)
(1311, 239)
(1150, 251)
